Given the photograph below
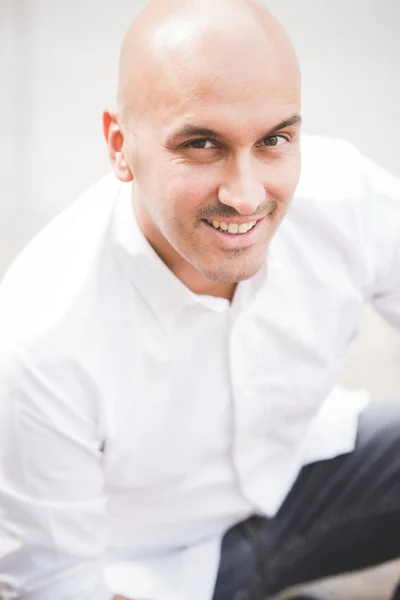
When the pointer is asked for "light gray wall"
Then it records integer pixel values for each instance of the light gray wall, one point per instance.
(58, 69)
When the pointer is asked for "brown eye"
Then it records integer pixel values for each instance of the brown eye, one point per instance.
(274, 140)
(200, 144)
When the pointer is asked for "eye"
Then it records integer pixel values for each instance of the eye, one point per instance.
(201, 144)
(275, 140)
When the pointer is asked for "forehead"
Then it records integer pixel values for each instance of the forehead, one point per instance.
(247, 111)
(230, 109)
(224, 83)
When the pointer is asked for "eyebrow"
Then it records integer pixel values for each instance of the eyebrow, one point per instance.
(193, 131)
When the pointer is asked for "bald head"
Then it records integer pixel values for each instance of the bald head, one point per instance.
(175, 42)
(208, 129)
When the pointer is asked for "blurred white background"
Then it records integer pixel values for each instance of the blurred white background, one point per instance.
(58, 67)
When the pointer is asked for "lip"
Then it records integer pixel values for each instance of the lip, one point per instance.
(234, 241)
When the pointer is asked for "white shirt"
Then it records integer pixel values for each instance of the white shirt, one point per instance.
(139, 421)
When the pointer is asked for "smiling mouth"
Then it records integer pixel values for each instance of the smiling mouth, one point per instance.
(231, 228)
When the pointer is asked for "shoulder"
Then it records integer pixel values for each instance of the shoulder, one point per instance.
(345, 213)
(331, 188)
(332, 169)
(338, 181)
(51, 275)
(324, 224)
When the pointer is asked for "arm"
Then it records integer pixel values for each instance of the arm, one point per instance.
(52, 508)
(380, 210)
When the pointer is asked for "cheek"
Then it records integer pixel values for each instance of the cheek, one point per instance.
(188, 190)
(282, 183)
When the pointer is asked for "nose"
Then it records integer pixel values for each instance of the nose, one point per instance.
(243, 188)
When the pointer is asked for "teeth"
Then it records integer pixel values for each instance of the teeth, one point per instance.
(233, 228)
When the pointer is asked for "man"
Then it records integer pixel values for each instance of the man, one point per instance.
(169, 424)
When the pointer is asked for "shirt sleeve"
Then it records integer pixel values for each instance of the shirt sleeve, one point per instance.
(52, 506)
(380, 208)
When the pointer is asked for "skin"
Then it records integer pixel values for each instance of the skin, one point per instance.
(229, 67)
(226, 66)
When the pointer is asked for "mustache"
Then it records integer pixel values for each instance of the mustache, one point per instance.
(220, 212)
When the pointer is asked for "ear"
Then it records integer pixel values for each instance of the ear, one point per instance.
(115, 142)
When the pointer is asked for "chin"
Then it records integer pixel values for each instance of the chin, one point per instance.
(231, 275)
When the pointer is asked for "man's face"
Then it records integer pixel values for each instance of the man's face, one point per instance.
(216, 149)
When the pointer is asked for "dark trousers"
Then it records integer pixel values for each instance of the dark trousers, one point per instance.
(341, 515)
